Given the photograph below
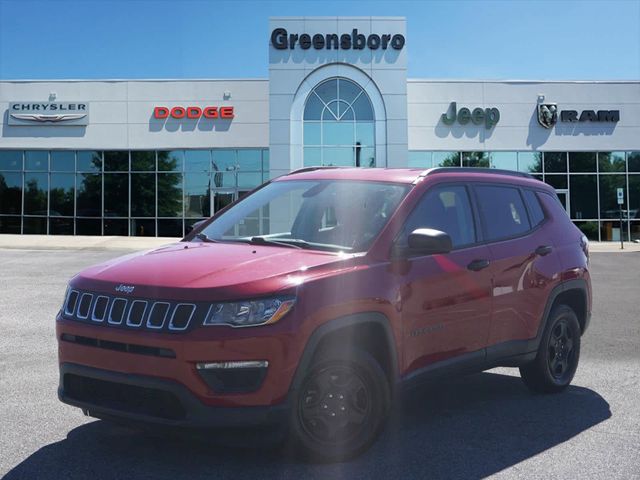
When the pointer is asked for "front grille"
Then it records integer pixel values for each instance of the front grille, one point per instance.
(125, 398)
(132, 313)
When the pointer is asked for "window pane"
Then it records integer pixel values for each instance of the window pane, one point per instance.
(11, 193)
(143, 227)
(34, 225)
(61, 226)
(116, 226)
(312, 133)
(89, 161)
(558, 182)
(143, 161)
(89, 196)
(170, 228)
(584, 196)
(249, 160)
(116, 195)
(634, 161)
(530, 162)
(88, 227)
(36, 189)
(635, 231)
(555, 162)
(588, 229)
(63, 161)
(221, 200)
(62, 194)
(224, 180)
(224, 160)
(330, 112)
(365, 157)
(312, 156)
(348, 91)
(143, 195)
(503, 211)
(608, 195)
(504, 160)
(265, 160)
(339, 156)
(610, 231)
(36, 160)
(582, 161)
(419, 159)
(446, 209)
(170, 161)
(611, 162)
(475, 159)
(116, 161)
(362, 107)
(446, 159)
(196, 195)
(169, 194)
(10, 159)
(313, 108)
(10, 224)
(328, 90)
(249, 180)
(365, 133)
(634, 196)
(197, 160)
(338, 133)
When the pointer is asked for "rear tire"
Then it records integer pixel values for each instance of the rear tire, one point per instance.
(340, 407)
(558, 353)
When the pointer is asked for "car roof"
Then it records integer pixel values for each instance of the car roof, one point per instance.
(408, 175)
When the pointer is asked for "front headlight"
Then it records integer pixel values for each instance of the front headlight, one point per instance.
(249, 313)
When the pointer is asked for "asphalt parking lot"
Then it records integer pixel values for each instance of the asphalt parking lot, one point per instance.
(484, 425)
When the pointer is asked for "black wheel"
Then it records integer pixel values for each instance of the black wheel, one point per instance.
(558, 353)
(340, 406)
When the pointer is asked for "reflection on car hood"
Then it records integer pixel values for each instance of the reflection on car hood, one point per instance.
(194, 266)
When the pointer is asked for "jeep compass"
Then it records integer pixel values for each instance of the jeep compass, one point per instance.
(304, 307)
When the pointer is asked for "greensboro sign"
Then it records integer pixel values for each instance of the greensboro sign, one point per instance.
(283, 40)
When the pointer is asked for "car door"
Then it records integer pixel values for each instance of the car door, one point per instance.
(521, 267)
(445, 298)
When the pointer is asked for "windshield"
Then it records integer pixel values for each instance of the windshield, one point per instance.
(336, 215)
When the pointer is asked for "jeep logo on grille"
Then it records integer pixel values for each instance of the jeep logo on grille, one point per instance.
(125, 288)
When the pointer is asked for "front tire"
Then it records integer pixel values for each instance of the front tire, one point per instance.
(340, 406)
(558, 354)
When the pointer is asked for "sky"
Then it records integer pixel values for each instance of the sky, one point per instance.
(454, 39)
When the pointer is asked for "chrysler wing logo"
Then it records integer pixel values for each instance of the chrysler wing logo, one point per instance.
(43, 117)
(547, 114)
(125, 288)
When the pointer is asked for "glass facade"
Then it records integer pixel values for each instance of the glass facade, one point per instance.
(142, 193)
(339, 127)
(586, 183)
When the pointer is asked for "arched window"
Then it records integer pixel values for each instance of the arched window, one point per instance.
(339, 125)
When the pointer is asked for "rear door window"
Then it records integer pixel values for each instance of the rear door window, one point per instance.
(503, 211)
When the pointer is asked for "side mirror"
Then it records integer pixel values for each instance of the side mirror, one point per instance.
(426, 241)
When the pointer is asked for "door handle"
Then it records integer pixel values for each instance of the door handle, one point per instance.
(478, 264)
(543, 250)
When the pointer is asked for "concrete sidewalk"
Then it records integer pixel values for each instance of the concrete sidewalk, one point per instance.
(64, 242)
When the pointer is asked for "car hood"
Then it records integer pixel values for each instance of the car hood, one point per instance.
(197, 270)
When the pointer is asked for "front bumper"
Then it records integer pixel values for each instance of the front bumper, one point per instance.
(150, 400)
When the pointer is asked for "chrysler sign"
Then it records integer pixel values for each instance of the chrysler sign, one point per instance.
(48, 113)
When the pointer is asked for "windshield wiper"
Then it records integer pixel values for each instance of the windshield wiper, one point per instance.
(286, 242)
(203, 238)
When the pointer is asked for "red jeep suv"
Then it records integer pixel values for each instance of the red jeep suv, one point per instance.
(309, 302)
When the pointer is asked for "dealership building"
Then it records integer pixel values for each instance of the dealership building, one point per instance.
(151, 157)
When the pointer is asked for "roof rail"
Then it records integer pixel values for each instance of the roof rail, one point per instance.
(311, 169)
(498, 171)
